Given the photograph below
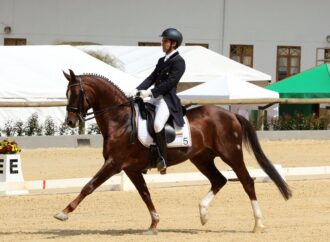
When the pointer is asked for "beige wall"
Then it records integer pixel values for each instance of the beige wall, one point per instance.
(111, 22)
(265, 24)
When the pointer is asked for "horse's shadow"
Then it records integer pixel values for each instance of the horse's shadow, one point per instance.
(57, 233)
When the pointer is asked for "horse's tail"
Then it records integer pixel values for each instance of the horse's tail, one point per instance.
(250, 139)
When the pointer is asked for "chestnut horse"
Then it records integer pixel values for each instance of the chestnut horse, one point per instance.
(215, 132)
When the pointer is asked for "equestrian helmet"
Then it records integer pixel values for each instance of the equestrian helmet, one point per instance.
(172, 34)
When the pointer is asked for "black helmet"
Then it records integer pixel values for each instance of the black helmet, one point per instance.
(172, 34)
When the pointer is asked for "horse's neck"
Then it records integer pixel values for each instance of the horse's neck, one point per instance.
(108, 96)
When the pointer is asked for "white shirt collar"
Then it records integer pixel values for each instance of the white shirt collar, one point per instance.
(169, 55)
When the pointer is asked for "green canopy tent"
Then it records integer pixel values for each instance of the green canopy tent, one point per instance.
(313, 83)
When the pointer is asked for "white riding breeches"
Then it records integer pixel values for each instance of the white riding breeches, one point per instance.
(162, 113)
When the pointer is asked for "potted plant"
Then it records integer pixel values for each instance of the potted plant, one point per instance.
(8, 147)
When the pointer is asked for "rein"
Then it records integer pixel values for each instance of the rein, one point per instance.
(83, 116)
(99, 112)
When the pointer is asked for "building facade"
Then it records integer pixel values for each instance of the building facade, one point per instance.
(280, 38)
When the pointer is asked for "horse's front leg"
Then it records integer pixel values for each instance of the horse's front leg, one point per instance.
(140, 184)
(108, 169)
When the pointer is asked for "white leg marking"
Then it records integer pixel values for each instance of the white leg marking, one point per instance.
(61, 216)
(236, 134)
(238, 147)
(204, 205)
(154, 216)
(153, 231)
(258, 227)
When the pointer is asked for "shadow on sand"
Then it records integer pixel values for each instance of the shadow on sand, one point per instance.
(60, 233)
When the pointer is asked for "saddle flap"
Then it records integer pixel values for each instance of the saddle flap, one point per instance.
(182, 136)
(147, 111)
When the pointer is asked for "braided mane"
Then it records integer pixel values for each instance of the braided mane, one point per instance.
(107, 80)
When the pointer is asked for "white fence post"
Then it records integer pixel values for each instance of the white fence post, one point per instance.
(126, 184)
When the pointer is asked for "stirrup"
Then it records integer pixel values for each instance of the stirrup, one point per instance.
(161, 166)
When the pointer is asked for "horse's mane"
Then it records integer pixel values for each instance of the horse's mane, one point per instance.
(106, 80)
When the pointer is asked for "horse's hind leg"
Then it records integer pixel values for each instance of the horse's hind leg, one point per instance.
(233, 156)
(205, 164)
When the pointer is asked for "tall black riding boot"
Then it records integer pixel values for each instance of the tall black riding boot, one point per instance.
(162, 152)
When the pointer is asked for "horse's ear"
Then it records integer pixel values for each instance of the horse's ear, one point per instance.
(72, 75)
(67, 76)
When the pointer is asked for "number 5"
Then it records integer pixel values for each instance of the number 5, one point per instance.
(185, 141)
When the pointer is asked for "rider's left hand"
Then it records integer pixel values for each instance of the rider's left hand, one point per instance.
(145, 93)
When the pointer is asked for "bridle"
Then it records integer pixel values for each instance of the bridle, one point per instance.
(83, 114)
(80, 109)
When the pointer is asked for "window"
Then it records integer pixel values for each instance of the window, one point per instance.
(149, 44)
(288, 61)
(14, 41)
(242, 54)
(198, 44)
(322, 56)
(327, 56)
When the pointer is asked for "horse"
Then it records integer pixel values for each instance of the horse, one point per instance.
(215, 132)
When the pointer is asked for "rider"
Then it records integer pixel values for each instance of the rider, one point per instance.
(165, 79)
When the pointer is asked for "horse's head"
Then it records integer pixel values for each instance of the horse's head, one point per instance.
(77, 101)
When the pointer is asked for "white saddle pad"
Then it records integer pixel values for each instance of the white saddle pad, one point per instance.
(182, 138)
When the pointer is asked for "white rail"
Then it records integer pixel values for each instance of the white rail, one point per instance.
(122, 182)
(235, 101)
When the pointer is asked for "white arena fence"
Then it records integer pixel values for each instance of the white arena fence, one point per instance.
(121, 182)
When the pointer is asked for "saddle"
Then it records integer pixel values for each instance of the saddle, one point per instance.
(145, 131)
(147, 112)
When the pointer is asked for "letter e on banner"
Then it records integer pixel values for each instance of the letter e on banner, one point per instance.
(13, 166)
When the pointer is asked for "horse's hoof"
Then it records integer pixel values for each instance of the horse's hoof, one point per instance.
(151, 232)
(61, 216)
(203, 214)
(259, 228)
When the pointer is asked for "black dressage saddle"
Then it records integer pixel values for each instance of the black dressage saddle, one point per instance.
(147, 112)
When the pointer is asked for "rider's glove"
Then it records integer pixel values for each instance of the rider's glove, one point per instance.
(144, 93)
(133, 93)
